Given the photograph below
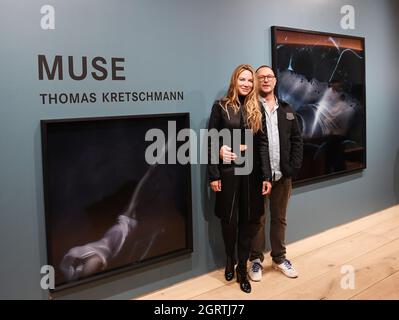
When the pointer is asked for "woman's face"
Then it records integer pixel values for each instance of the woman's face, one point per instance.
(245, 82)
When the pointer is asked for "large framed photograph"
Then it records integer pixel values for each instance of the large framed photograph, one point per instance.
(322, 76)
(108, 209)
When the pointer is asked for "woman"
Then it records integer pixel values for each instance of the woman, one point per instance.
(239, 198)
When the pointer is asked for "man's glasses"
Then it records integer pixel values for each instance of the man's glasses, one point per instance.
(264, 78)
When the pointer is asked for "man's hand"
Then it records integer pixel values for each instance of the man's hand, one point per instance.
(216, 185)
(266, 188)
(226, 155)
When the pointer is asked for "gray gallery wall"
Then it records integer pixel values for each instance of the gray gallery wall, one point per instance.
(185, 45)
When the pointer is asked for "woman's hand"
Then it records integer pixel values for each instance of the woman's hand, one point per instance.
(216, 185)
(266, 188)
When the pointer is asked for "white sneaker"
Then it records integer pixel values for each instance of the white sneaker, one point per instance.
(255, 271)
(286, 268)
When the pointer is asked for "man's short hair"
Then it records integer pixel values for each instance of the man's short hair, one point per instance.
(265, 66)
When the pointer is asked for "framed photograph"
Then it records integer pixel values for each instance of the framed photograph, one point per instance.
(107, 209)
(322, 76)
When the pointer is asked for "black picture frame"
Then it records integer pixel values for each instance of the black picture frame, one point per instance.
(107, 210)
(322, 76)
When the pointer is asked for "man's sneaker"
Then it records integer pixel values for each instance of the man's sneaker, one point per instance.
(286, 268)
(255, 271)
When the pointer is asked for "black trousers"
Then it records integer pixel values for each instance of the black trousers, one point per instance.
(239, 228)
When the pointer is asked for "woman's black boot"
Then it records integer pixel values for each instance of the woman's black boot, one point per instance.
(242, 278)
(229, 270)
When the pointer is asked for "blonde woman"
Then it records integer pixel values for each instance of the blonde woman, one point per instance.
(239, 198)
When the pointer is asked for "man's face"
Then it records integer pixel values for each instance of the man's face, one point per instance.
(267, 81)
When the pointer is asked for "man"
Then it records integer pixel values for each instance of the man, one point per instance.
(285, 149)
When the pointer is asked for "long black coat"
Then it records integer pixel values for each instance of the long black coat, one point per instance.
(225, 172)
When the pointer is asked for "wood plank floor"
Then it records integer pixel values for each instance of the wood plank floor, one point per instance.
(368, 246)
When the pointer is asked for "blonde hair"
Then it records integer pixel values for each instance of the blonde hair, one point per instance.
(251, 102)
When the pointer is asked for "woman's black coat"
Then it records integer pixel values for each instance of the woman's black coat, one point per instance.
(225, 172)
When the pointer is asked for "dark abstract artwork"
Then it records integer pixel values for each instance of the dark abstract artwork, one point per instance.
(107, 209)
(322, 76)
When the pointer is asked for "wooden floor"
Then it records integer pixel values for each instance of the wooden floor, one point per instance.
(369, 246)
